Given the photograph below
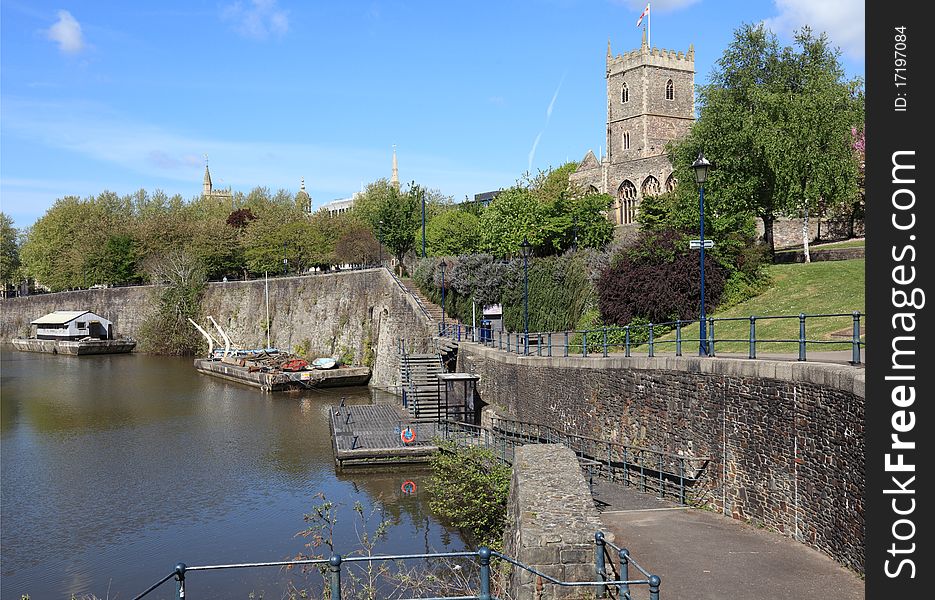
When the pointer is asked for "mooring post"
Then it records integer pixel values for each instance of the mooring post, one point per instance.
(334, 565)
(483, 554)
(801, 336)
(180, 577)
(599, 567)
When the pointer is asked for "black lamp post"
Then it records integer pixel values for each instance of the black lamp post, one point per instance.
(380, 240)
(442, 266)
(285, 261)
(574, 240)
(526, 249)
(701, 167)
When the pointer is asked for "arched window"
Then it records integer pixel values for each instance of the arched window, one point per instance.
(625, 94)
(670, 90)
(592, 189)
(650, 186)
(625, 140)
(671, 182)
(625, 209)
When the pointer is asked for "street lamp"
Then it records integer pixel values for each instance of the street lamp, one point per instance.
(442, 266)
(285, 261)
(701, 166)
(526, 249)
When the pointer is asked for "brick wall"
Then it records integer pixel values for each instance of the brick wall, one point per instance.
(785, 439)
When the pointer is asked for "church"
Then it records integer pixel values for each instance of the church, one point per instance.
(650, 101)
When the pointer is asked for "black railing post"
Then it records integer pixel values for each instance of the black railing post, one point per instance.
(626, 340)
(605, 341)
(801, 336)
(624, 572)
(566, 343)
(599, 568)
(538, 343)
(550, 343)
(334, 565)
(678, 337)
(654, 582)
(711, 336)
(180, 578)
(752, 336)
(651, 343)
(483, 554)
(584, 344)
(855, 358)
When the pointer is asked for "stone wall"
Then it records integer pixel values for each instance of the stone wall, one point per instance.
(362, 313)
(552, 521)
(787, 233)
(785, 439)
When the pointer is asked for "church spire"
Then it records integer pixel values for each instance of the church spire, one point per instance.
(394, 181)
(207, 180)
(609, 54)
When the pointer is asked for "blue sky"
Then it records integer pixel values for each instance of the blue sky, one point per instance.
(118, 96)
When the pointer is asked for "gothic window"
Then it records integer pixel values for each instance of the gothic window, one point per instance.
(650, 186)
(625, 140)
(625, 208)
(670, 90)
(625, 94)
(592, 189)
(671, 182)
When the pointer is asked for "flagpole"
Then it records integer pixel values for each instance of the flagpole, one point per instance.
(649, 29)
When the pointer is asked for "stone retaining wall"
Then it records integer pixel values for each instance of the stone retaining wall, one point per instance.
(785, 439)
(551, 521)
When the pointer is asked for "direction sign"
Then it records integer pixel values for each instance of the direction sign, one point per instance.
(696, 244)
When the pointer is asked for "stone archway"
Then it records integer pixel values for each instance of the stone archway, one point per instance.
(671, 182)
(650, 187)
(626, 203)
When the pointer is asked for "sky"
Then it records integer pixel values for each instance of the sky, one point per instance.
(121, 96)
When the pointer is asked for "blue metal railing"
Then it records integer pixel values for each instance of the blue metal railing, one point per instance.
(598, 342)
(604, 582)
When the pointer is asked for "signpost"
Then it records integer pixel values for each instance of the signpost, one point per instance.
(696, 244)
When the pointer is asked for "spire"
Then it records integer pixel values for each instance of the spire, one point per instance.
(302, 200)
(302, 185)
(394, 181)
(643, 45)
(609, 54)
(207, 181)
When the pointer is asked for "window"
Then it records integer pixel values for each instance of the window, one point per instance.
(82, 325)
(625, 94)
(670, 90)
(626, 140)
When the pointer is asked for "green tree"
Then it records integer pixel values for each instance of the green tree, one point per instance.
(9, 252)
(514, 215)
(776, 123)
(451, 233)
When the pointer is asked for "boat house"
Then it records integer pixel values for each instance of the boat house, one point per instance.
(73, 325)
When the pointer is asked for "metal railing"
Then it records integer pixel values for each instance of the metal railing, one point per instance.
(666, 474)
(644, 337)
(418, 301)
(616, 584)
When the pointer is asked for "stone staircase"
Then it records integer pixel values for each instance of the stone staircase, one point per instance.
(419, 377)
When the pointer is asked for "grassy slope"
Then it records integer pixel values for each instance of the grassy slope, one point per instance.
(828, 287)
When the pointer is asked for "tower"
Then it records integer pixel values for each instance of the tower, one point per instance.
(650, 101)
(302, 200)
(206, 188)
(394, 180)
(208, 191)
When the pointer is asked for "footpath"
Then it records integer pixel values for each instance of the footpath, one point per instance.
(707, 556)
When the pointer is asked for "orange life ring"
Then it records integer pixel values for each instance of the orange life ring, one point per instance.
(407, 435)
(408, 487)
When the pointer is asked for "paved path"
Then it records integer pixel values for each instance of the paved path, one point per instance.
(705, 556)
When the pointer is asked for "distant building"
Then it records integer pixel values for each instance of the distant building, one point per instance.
(485, 198)
(208, 191)
(650, 101)
(73, 325)
(342, 205)
(303, 201)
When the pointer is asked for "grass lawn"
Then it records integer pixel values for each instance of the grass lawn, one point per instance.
(827, 287)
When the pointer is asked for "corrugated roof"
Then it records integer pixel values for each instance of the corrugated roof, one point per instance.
(59, 317)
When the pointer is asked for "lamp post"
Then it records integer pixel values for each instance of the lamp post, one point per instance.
(285, 261)
(380, 240)
(422, 193)
(574, 240)
(442, 266)
(701, 167)
(526, 249)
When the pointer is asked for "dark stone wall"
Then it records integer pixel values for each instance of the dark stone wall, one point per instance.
(785, 439)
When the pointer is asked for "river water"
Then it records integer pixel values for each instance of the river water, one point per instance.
(117, 467)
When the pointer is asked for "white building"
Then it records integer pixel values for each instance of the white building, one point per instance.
(73, 325)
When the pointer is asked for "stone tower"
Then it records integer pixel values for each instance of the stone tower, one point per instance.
(650, 101)
(302, 200)
(208, 191)
(394, 179)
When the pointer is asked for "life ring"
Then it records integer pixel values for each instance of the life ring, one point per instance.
(407, 435)
(408, 487)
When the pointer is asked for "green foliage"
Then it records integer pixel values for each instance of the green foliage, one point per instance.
(559, 292)
(9, 252)
(178, 298)
(469, 489)
(454, 232)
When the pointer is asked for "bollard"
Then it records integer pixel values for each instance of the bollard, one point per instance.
(801, 336)
(855, 357)
(599, 567)
(334, 565)
(651, 340)
(624, 572)
(626, 340)
(752, 337)
(180, 577)
(654, 582)
(483, 554)
(678, 337)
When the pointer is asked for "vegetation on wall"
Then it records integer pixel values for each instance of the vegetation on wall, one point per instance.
(167, 330)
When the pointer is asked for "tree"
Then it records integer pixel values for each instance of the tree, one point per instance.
(9, 252)
(397, 221)
(357, 246)
(452, 233)
(776, 123)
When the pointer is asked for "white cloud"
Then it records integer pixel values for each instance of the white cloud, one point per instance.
(258, 19)
(842, 20)
(66, 32)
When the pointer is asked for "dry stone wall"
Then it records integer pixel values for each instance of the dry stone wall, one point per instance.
(785, 439)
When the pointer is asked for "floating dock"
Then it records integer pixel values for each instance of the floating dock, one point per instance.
(74, 347)
(376, 434)
(277, 380)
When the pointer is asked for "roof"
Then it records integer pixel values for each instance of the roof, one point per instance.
(59, 317)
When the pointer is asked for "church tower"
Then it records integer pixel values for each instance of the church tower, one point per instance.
(650, 101)
(207, 182)
(394, 180)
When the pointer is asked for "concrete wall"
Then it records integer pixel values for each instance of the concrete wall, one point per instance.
(551, 521)
(328, 314)
(785, 439)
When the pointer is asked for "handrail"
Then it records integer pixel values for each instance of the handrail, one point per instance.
(595, 342)
(421, 306)
(483, 555)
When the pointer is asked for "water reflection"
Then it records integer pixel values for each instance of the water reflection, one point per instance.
(116, 467)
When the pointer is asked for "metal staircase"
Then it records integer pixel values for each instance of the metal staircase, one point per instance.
(418, 374)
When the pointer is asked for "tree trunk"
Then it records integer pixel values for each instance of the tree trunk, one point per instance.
(768, 232)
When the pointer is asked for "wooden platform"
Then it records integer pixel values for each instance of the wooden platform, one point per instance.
(371, 434)
(280, 380)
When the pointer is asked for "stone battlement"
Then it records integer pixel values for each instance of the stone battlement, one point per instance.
(656, 57)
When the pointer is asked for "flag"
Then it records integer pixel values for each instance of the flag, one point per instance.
(643, 14)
